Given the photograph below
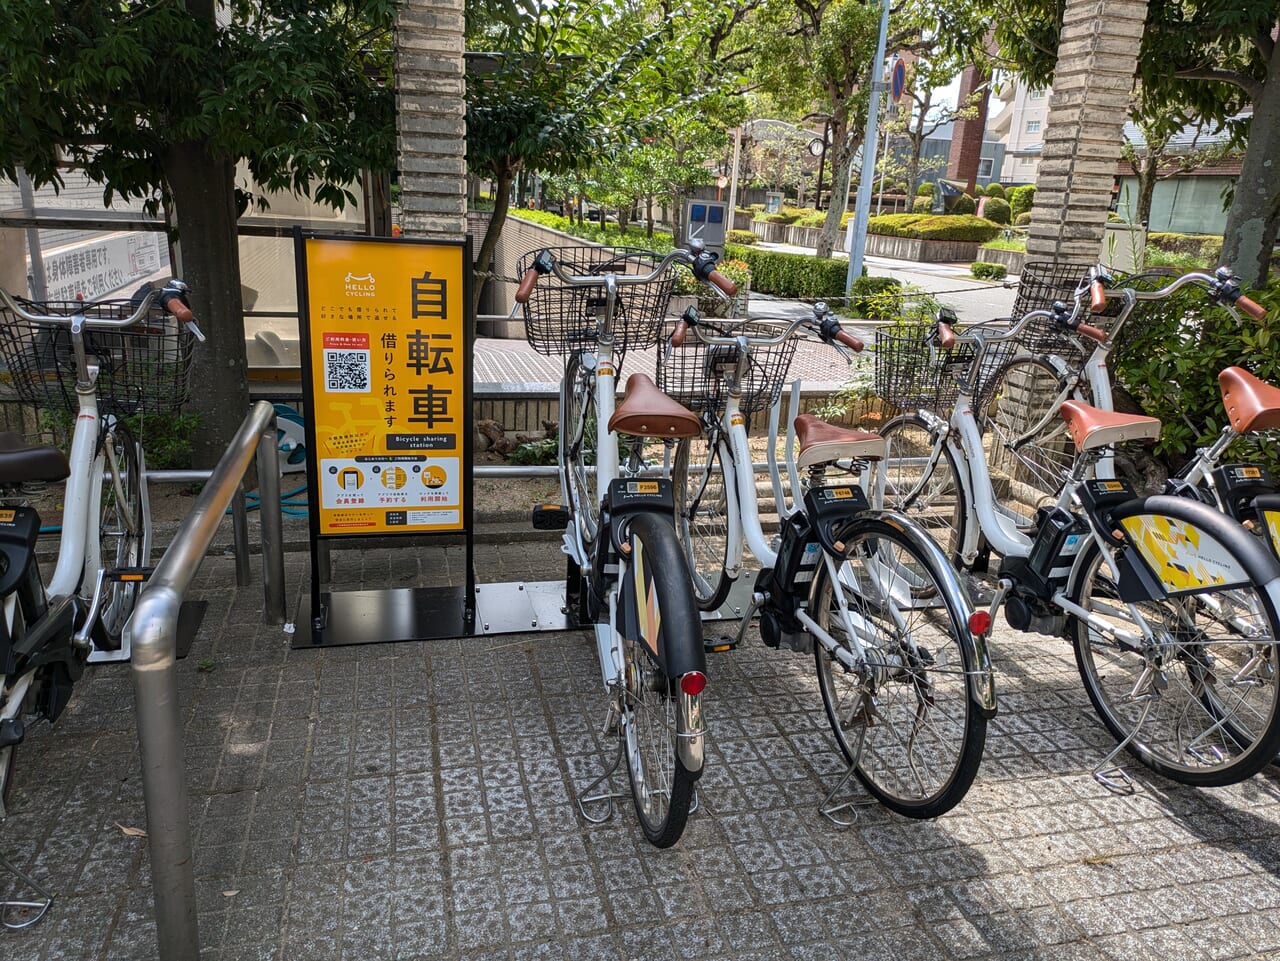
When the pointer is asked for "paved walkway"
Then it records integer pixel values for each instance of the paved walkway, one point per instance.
(415, 801)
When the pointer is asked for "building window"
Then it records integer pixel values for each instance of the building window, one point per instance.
(1026, 161)
(984, 168)
(1035, 93)
(1033, 126)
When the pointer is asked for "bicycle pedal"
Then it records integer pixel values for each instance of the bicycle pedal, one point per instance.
(719, 644)
(550, 517)
(130, 574)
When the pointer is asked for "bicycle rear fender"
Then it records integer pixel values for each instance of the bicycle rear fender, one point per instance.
(1186, 547)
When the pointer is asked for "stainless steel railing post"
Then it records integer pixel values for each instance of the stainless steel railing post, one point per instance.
(152, 635)
(240, 531)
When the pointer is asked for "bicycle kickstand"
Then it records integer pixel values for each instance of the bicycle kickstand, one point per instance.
(606, 796)
(1112, 776)
(830, 808)
(16, 914)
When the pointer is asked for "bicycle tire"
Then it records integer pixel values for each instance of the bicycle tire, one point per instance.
(577, 442)
(1239, 730)
(702, 522)
(1027, 445)
(661, 786)
(907, 717)
(121, 532)
(9, 755)
(935, 501)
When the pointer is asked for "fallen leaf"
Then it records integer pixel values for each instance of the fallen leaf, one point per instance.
(231, 894)
(131, 832)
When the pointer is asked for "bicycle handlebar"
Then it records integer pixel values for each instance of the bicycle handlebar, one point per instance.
(696, 258)
(170, 298)
(823, 320)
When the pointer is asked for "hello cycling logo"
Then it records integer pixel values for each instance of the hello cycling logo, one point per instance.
(358, 285)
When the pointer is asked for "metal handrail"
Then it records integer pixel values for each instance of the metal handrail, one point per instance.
(152, 635)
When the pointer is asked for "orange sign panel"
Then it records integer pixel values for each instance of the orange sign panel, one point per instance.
(388, 373)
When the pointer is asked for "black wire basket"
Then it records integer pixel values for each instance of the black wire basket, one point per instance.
(911, 376)
(1039, 285)
(560, 319)
(142, 369)
(694, 372)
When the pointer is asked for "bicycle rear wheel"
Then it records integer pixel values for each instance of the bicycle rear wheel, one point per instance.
(661, 785)
(702, 519)
(121, 530)
(1029, 450)
(906, 715)
(922, 481)
(1202, 692)
(578, 437)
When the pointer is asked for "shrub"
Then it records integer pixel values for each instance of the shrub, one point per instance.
(1169, 358)
(925, 190)
(812, 220)
(756, 208)
(612, 236)
(781, 218)
(1205, 246)
(931, 227)
(744, 237)
(869, 296)
(792, 275)
(1022, 219)
(985, 271)
(997, 210)
(978, 191)
(995, 189)
(1021, 198)
(964, 204)
(922, 205)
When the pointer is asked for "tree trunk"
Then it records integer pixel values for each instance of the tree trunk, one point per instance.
(648, 215)
(484, 256)
(1250, 235)
(841, 176)
(203, 187)
(1147, 178)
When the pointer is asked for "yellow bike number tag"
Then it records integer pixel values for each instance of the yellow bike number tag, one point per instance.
(6, 517)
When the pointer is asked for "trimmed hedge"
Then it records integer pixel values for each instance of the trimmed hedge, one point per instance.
(964, 205)
(978, 191)
(1205, 246)
(633, 236)
(780, 218)
(997, 210)
(995, 190)
(744, 237)
(985, 271)
(925, 190)
(792, 275)
(1022, 219)
(1021, 198)
(930, 227)
(922, 204)
(869, 296)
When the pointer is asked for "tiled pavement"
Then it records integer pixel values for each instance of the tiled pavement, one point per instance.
(416, 801)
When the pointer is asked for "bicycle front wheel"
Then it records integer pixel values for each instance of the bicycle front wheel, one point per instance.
(1196, 694)
(578, 438)
(661, 784)
(1029, 450)
(896, 687)
(922, 481)
(702, 518)
(121, 532)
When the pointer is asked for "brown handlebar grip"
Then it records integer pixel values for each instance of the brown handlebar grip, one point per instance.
(677, 335)
(1097, 299)
(525, 290)
(850, 341)
(1251, 307)
(724, 283)
(180, 310)
(946, 336)
(1092, 332)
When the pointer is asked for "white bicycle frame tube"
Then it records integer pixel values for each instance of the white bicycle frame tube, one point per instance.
(746, 511)
(78, 544)
(976, 488)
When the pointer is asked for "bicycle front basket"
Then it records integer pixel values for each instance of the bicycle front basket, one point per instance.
(560, 319)
(692, 373)
(144, 368)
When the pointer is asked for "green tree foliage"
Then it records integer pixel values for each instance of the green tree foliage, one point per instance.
(1200, 59)
(158, 101)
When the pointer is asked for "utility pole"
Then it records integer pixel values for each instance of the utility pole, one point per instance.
(869, 144)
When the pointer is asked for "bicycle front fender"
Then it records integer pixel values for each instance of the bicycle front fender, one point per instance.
(982, 684)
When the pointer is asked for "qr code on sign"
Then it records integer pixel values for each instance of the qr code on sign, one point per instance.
(346, 371)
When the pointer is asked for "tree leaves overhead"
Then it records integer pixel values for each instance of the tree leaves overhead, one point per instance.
(299, 90)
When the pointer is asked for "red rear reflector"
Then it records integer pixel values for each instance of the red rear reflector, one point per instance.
(693, 683)
(980, 622)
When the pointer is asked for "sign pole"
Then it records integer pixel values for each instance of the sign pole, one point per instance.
(869, 143)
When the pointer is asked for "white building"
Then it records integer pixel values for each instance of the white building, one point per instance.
(1019, 117)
